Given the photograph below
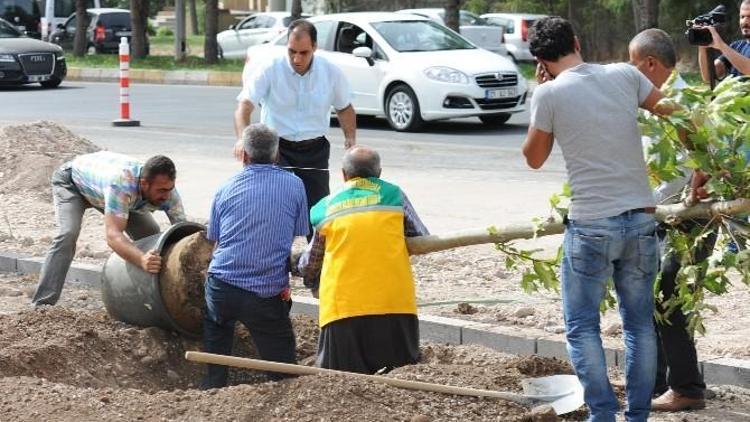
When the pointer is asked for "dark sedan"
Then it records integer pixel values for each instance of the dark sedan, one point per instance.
(24, 60)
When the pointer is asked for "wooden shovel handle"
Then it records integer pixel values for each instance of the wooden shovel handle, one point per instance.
(288, 368)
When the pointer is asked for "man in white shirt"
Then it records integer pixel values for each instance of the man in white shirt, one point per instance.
(296, 93)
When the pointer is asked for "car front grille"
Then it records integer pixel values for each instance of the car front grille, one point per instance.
(497, 80)
(497, 104)
(38, 64)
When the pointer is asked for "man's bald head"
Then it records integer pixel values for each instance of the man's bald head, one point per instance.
(360, 161)
(655, 43)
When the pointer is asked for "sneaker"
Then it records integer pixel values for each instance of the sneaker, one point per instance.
(672, 401)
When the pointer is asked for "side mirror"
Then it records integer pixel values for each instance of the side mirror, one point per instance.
(365, 53)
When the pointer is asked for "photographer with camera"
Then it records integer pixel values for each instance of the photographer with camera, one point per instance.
(735, 57)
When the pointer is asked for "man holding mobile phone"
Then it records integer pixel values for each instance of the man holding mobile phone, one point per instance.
(592, 110)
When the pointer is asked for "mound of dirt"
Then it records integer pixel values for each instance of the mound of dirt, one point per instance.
(31, 152)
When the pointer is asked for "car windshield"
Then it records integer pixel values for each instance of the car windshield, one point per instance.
(407, 36)
(8, 31)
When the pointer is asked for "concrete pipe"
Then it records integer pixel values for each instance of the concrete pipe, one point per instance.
(172, 299)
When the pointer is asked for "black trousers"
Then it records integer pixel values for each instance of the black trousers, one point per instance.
(677, 361)
(367, 344)
(267, 319)
(310, 157)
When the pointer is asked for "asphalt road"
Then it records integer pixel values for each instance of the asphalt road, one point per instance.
(458, 173)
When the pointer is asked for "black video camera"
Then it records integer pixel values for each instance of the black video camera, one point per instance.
(702, 36)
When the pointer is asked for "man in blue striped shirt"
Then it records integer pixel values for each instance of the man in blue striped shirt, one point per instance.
(254, 219)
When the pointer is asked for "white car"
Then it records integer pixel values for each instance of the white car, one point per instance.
(471, 27)
(410, 69)
(517, 27)
(255, 29)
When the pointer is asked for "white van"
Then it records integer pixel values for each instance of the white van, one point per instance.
(55, 12)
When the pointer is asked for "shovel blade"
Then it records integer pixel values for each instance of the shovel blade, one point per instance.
(563, 392)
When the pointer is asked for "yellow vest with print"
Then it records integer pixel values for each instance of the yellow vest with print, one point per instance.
(366, 268)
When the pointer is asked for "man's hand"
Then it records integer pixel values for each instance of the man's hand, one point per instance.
(349, 142)
(151, 262)
(542, 75)
(239, 150)
(697, 187)
(716, 41)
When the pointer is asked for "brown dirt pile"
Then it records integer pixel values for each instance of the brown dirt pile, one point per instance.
(30, 153)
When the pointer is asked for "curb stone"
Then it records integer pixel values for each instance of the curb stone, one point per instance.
(174, 77)
(155, 76)
(434, 328)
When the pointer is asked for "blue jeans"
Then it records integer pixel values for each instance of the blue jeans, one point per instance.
(267, 320)
(624, 248)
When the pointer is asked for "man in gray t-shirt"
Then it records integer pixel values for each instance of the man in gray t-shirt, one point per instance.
(591, 110)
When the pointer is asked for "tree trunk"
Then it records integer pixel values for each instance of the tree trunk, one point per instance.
(210, 46)
(670, 214)
(451, 14)
(138, 18)
(296, 9)
(645, 14)
(193, 18)
(81, 38)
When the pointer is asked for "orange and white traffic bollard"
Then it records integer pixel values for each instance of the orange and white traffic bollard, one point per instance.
(124, 119)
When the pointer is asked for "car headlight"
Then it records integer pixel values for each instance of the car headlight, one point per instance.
(60, 57)
(446, 74)
(7, 58)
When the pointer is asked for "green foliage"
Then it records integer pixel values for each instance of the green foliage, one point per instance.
(164, 31)
(478, 7)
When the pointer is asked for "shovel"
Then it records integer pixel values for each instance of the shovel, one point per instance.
(563, 392)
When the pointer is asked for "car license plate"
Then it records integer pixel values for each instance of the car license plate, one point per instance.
(38, 78)
(123, 33)
(492, 94)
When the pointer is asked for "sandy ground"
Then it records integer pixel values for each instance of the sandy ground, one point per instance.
(469, 283)
(73, 363)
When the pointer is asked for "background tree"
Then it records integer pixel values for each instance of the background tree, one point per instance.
(139, 11)
(451, 14)
(193, 17)
(296, 9)
(210, 46)
(645, 14)
(80, 40)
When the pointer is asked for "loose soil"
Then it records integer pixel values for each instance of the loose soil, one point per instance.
(75, 363)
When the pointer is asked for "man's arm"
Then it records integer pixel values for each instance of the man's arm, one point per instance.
(413, 225)
(311, 261)
(740, 62)
(348, 121)
(241, 121)
(537, 147)
(114, 228)
(703, 63)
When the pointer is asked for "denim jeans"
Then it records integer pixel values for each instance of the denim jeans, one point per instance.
(267, 320)
(624, 248)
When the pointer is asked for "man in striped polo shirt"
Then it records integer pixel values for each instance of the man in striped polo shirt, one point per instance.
(368, 310)
(254, 219)
(126, 192)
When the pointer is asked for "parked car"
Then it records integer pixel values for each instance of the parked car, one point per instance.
(471, 26)
(255, 29)
(25, 60)
(410, 69)
(25, 15)
(56, 12)
(516, 32)
(104, 28)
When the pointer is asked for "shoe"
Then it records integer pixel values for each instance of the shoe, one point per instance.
(672, 401)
